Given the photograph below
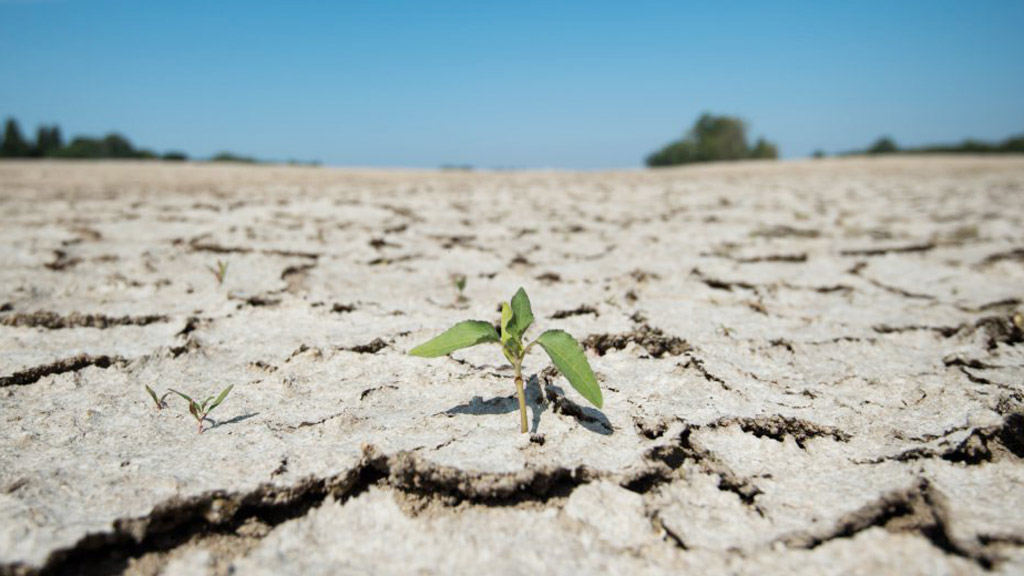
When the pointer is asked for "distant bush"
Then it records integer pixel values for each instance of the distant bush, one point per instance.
(679, 152)
(175, 156)
(818, 154)
(80, 148)
(764, 149)
(231, 157)
(713, 138)
(111, 146)
(118, 146)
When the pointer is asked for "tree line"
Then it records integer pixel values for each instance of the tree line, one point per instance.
(886, 145)
(49, 143)
(715, 138)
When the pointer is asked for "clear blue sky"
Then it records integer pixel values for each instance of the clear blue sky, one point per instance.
(519, 84)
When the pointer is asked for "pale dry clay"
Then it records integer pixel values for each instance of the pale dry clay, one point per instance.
(808, 367)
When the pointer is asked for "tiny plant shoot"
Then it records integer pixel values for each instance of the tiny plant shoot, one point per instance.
(459, 281)
(160, 401)
(200, 410)
(565, 352)
(219, 272)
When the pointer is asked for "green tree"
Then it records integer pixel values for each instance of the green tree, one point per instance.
(884, 145)
(48, 140)
(14, 144)
(712, 138)
(719, 138)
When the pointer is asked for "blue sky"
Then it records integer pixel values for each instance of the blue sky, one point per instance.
(519, 84)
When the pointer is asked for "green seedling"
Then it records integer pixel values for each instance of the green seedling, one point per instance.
(459, 281)
(220, 272)
(200, 410)
(160, 401)
(565, 352)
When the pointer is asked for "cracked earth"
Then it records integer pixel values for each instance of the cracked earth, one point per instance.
(810, 367)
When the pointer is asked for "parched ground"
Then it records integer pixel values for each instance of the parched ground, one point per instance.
(808, 367)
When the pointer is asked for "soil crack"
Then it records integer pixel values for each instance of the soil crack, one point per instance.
(55, 321)
(579, 311)
(944, 331)
(295, 277)
(651, 339)
(919, 509)
(698, 365)
(910, 248)
(987, 444)
(179, 521)
(667, 458)
(719, 284)
(73, 364)
(372, 347)
(778, 427)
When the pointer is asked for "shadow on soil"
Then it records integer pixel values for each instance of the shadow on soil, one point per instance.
(235, 420)
(538, 400)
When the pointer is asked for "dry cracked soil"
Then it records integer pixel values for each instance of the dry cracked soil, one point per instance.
(808, 367)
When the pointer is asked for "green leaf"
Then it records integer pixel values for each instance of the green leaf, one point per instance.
(223, 395)
(506, 317)
(462, 335)
(152, 395)
(193, 406)
(522, 315)
(568, 357)
(186, 397)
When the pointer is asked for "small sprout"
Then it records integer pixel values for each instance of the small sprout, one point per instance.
(220, 272)
(160, 401)
(459, 281)
(516, 316)
(200, 410)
